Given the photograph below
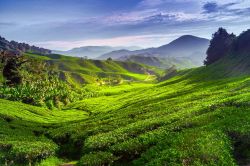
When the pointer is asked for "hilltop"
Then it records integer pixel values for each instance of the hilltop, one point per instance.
(187, 46)
(161, 62)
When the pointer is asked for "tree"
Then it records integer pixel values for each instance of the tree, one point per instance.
(12, 61)
(109, 59)
(220, 45)
(242, 44)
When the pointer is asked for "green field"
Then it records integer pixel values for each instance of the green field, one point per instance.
(199, 117)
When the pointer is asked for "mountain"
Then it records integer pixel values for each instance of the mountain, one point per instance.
(116, 54)
(185, 46)
(92, 51)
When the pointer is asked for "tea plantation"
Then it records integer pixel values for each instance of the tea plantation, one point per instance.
(199, 117)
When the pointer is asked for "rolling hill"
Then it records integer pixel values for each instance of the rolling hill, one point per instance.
(82, 71)
(161, 62)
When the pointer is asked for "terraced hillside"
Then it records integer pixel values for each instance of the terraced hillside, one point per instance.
(164, 63)
(81, 71)
(199, 117)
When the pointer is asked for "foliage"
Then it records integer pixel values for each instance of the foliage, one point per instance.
(40, 85)
(182, 121)
(23, 47)
(78, 71)
(10, 65)
(97, 159)
(23, 129)
(241, 46)
(220, 45)
(51, 161)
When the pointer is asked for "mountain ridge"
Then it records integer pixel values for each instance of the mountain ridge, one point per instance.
(92, 51)
(184, 46)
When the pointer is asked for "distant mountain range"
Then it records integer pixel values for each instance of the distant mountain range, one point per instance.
(187, 46)
(185, 52)
(92, 51)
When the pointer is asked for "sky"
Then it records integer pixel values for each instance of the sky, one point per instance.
(65, 24)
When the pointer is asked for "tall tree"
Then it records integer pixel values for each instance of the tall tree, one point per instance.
(220, 45)
(11, 61)
(242, 44)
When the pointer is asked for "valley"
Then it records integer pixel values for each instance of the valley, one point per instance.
(193, 118)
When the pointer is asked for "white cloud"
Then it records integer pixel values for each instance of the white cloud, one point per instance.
(153, 15)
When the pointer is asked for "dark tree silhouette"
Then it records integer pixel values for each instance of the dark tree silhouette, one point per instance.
(12, 61)
(23, 47)
(242, 44)
(109, 59)
(220, 45)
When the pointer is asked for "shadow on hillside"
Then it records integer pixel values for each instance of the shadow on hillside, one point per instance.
(241, 144)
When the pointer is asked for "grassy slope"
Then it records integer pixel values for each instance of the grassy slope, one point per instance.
(164, 63)
(23, 128)
(195, 118)
(200, 117)
(76, 70)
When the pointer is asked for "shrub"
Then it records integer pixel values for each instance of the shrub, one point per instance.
(97, 159)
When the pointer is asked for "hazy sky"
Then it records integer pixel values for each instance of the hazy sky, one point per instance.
(64, 24)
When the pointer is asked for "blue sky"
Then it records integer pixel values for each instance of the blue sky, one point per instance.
(64, 24)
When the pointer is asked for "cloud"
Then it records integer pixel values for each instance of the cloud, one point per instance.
(172, 18)
(232, 8)
(214, 7)
(136, 19)
(221, 12)
(159, 3)
(210, 7)
(148, 16)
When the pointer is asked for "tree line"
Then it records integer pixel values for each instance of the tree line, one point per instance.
(223, 43)
(21, 47)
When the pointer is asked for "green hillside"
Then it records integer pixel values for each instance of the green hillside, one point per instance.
(163, 63)
(81, 71)
(199, 117)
